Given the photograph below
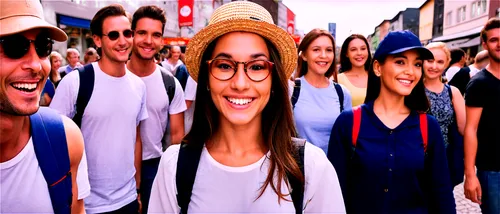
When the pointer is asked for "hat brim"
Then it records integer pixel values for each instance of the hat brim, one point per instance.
(283, 42)
(18, 24)
(423, 52)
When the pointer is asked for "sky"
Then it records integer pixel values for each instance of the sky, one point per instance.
(351, 16)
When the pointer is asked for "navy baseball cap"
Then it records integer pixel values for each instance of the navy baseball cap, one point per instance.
(400, 41)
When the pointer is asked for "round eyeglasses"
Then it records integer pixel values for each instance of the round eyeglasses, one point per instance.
(224, 69)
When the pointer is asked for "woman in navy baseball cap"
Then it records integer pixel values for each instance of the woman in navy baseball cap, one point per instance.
(388, 153)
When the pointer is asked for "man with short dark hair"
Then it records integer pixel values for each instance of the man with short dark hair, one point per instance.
(148, 23)
(457, 62)
(482, 137)
(30, 134)
(109, 115)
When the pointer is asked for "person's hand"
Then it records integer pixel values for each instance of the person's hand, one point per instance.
(139, 202)
(472, 189)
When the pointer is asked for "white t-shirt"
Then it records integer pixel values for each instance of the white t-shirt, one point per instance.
(473, 70)
(23, 189)
(170, 67)
(450, 73)
(190, 95)
(109, 127)
(153, 128)
(223, 189)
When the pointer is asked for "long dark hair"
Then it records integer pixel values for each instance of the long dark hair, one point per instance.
(308, 39)
(416, 101)
(277, 123)
(345, 63)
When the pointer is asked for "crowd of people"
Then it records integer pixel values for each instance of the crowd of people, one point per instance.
(275, 128)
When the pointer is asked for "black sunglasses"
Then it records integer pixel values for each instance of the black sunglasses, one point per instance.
(114, 35)
(16, 46)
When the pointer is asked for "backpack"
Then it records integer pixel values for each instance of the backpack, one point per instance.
(187, 165)
(87, 79)
(51, 150)
(181, 74)
(455, 149)
(356, 125)
(296, 93)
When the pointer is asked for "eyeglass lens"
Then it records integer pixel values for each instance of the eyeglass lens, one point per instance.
(16, 46)
(224, 69)
(114, 35)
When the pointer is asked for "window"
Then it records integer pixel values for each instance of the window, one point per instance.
(448, 19)
(478, 8)
(461, 14)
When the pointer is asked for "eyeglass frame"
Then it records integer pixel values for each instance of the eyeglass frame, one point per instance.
(50, 42)
(119, 33)
(236, 63)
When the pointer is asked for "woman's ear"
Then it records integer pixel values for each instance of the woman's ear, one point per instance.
(301, 54)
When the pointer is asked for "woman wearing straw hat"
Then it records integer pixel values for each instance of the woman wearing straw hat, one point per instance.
(389, 154)
(240, 155)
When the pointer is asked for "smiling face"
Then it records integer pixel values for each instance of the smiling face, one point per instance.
(55, 62)
(492, 44)
(73, 58)
(240, 100)
(115, 50)
(22, 80)
(434, 68)
(357, 53)
(175, 52)
(147, 38)
(319, 55)
(400, 73)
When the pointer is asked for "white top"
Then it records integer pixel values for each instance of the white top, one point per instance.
(450, 73)
(223, 189)
(109, 127)
(189, 94)
(23, 189)
(170, 67)
(153, 128)
(473, 70)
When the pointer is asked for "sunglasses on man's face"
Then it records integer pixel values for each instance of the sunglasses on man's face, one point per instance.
(16, 46)
(114, 35)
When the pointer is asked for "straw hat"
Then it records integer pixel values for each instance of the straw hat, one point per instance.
(21, 15)
(241, 16)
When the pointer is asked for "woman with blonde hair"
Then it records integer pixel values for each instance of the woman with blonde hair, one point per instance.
(240, 155)
(447, 106)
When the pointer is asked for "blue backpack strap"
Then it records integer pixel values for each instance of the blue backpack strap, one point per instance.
(169, 83)
(297, 193)
(296, 92)
(182, 75)
(187, 165)
(87, 78)
(51, 149)
(340, 93)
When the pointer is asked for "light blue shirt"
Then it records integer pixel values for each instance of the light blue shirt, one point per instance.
(316, 111)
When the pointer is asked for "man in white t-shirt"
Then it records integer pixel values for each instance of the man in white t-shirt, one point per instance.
(26, 42)
(110, 121)
(480, 61)
(173, 59)
(148, 23)
(457, 62)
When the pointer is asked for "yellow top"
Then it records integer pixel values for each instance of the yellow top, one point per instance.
(358, 94)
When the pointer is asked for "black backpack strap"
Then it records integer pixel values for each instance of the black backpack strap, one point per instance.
(297, 193)
(296, 92)
(187, 165)
(340, 93)
(85, 89)
(182, 75)
(169, 83)
(51, 150)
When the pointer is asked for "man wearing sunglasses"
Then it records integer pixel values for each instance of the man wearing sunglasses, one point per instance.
(25, 43)
(110, 120)
(148, 23)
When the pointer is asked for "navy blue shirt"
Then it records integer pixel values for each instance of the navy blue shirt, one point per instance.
(49, 89)
(388, 171)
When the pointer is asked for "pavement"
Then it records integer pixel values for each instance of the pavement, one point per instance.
(464, 206)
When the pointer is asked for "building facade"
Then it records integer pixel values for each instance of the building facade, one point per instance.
(463, 22)
(74, 18)
(426, 20)
(438, 18)
(406, 20)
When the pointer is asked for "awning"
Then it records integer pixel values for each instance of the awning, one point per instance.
(463, 34)
(464, 43)
(74, 22)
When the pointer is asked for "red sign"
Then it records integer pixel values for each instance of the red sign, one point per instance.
(185, 13)
(290, 21)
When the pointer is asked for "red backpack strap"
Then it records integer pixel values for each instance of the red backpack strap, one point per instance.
(356, 124)
(424, 130)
